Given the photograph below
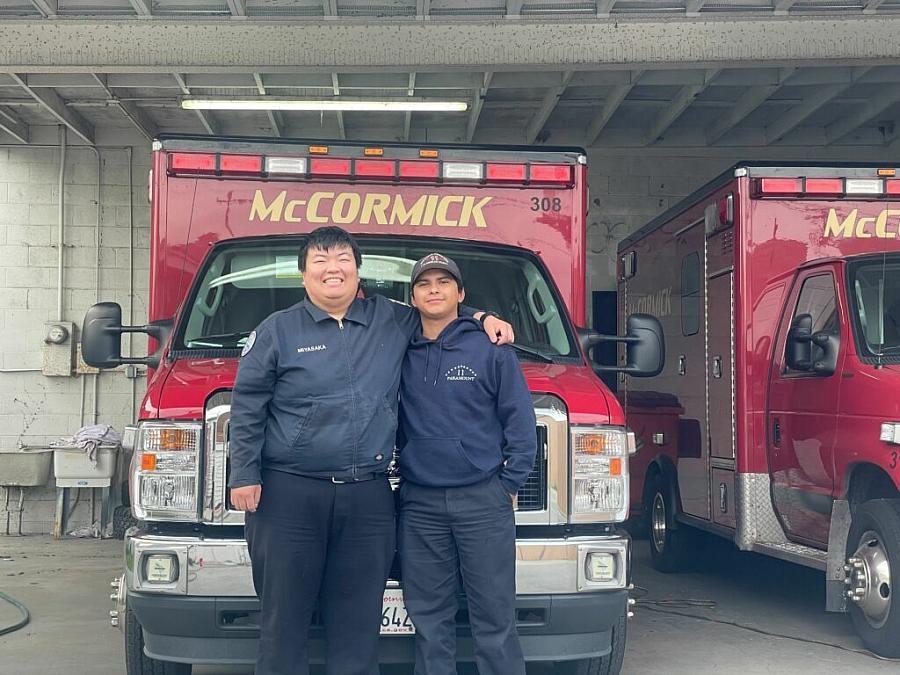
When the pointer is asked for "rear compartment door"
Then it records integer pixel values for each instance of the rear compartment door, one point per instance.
(802, 416)
(720, 373)
(689, 350)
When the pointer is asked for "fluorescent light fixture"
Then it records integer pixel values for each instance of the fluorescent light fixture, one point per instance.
(343, 104)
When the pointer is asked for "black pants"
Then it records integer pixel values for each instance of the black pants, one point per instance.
(312, 540)
(470, 532)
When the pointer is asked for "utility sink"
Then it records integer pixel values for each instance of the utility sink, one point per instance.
(25, 468)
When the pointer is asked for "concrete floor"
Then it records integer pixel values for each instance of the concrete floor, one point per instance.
(65, 584)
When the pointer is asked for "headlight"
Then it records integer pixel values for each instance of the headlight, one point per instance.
(600, 473)
(165, 480)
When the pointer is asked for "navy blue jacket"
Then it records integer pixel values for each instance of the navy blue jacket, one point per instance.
(465, 411)
(318, 397)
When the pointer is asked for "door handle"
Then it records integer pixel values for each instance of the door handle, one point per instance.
(717, 367)
(776, 432)
(682, 365)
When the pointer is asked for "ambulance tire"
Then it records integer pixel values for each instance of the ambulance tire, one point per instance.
(878, 523)
(611, 664)
(670, 543)
(138, 663)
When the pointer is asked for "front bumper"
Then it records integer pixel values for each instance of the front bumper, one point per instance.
(209, 613)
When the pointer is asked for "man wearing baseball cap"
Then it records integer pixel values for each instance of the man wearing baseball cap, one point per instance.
(467, 445)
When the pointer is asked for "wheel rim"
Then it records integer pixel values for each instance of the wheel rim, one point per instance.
(658, 522)
(870, 579)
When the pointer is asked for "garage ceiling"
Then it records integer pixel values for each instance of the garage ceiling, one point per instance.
(611, 73)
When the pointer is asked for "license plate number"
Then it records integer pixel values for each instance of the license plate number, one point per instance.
(394, 617)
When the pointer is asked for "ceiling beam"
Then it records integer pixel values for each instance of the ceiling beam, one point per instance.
(142, 7)
(872, 107)
(47, 8)
(237, 7)
(476, 44)
(56, 106)
(423, 8)
(11, 124)
(794, 117)
(407, 118)
(548, 105)
(477, 105)
(206, 119)
(693, 6)
(749, 101)
(329, 8)
(610, 104)
(604, 7)
(137, 116)
(667, 117)
(872, 6)
(274, 120)
(783, 5)
(336, 90)
(514, 7)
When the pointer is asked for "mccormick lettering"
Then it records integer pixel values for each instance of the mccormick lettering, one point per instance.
(344, 208)
(658, 304)
(863, 228)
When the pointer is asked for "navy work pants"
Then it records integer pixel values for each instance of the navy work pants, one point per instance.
(315, 542)
(467, 532)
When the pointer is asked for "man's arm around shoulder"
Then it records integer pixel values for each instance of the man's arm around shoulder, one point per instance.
(515, 411)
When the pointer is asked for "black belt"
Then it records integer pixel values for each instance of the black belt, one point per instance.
(362, 478)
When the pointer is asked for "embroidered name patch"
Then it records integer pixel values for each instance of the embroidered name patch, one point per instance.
(311, 348)
(461, 374)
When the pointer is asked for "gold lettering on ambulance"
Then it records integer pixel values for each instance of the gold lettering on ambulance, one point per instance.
(401, 216)
(375, 204)
(444, 206)
(881, 230)
(861, 228)
(289, 210)
(430, 206)
(472, 210)
(346, 208)
(312, 215)
(262, 211)
(834, 228)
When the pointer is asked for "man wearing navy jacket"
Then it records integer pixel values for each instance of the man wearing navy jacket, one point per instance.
(468, 444)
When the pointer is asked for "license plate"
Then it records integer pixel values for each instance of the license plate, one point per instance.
(394, 617)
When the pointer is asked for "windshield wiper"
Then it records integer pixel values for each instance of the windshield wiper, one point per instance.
(203, 340)
(532, 352)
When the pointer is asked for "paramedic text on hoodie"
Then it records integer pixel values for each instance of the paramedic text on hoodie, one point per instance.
(467, 429)
(313, 422)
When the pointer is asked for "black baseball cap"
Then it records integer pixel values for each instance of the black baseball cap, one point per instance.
(436, 261)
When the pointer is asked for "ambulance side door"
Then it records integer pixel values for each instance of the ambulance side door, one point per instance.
(802, 409)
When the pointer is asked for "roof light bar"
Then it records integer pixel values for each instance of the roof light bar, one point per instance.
(315, 105)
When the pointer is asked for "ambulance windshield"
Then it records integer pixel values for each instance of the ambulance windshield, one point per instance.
(242, 283)
(875, 297)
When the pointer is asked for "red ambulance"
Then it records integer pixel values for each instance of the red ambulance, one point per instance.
(228, 218)
(776, 420)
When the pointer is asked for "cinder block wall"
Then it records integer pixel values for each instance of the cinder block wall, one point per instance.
(35, 409)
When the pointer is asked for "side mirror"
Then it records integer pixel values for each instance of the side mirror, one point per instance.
(799, 349)
(645, 346)
(798, 353)
(101, 337)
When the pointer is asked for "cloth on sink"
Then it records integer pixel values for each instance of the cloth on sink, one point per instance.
(89, 438)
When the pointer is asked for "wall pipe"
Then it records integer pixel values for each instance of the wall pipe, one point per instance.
(61, 224)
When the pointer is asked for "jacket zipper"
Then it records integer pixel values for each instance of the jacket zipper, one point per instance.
(353, 471)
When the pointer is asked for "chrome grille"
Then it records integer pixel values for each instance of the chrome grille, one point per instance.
(533, 495)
